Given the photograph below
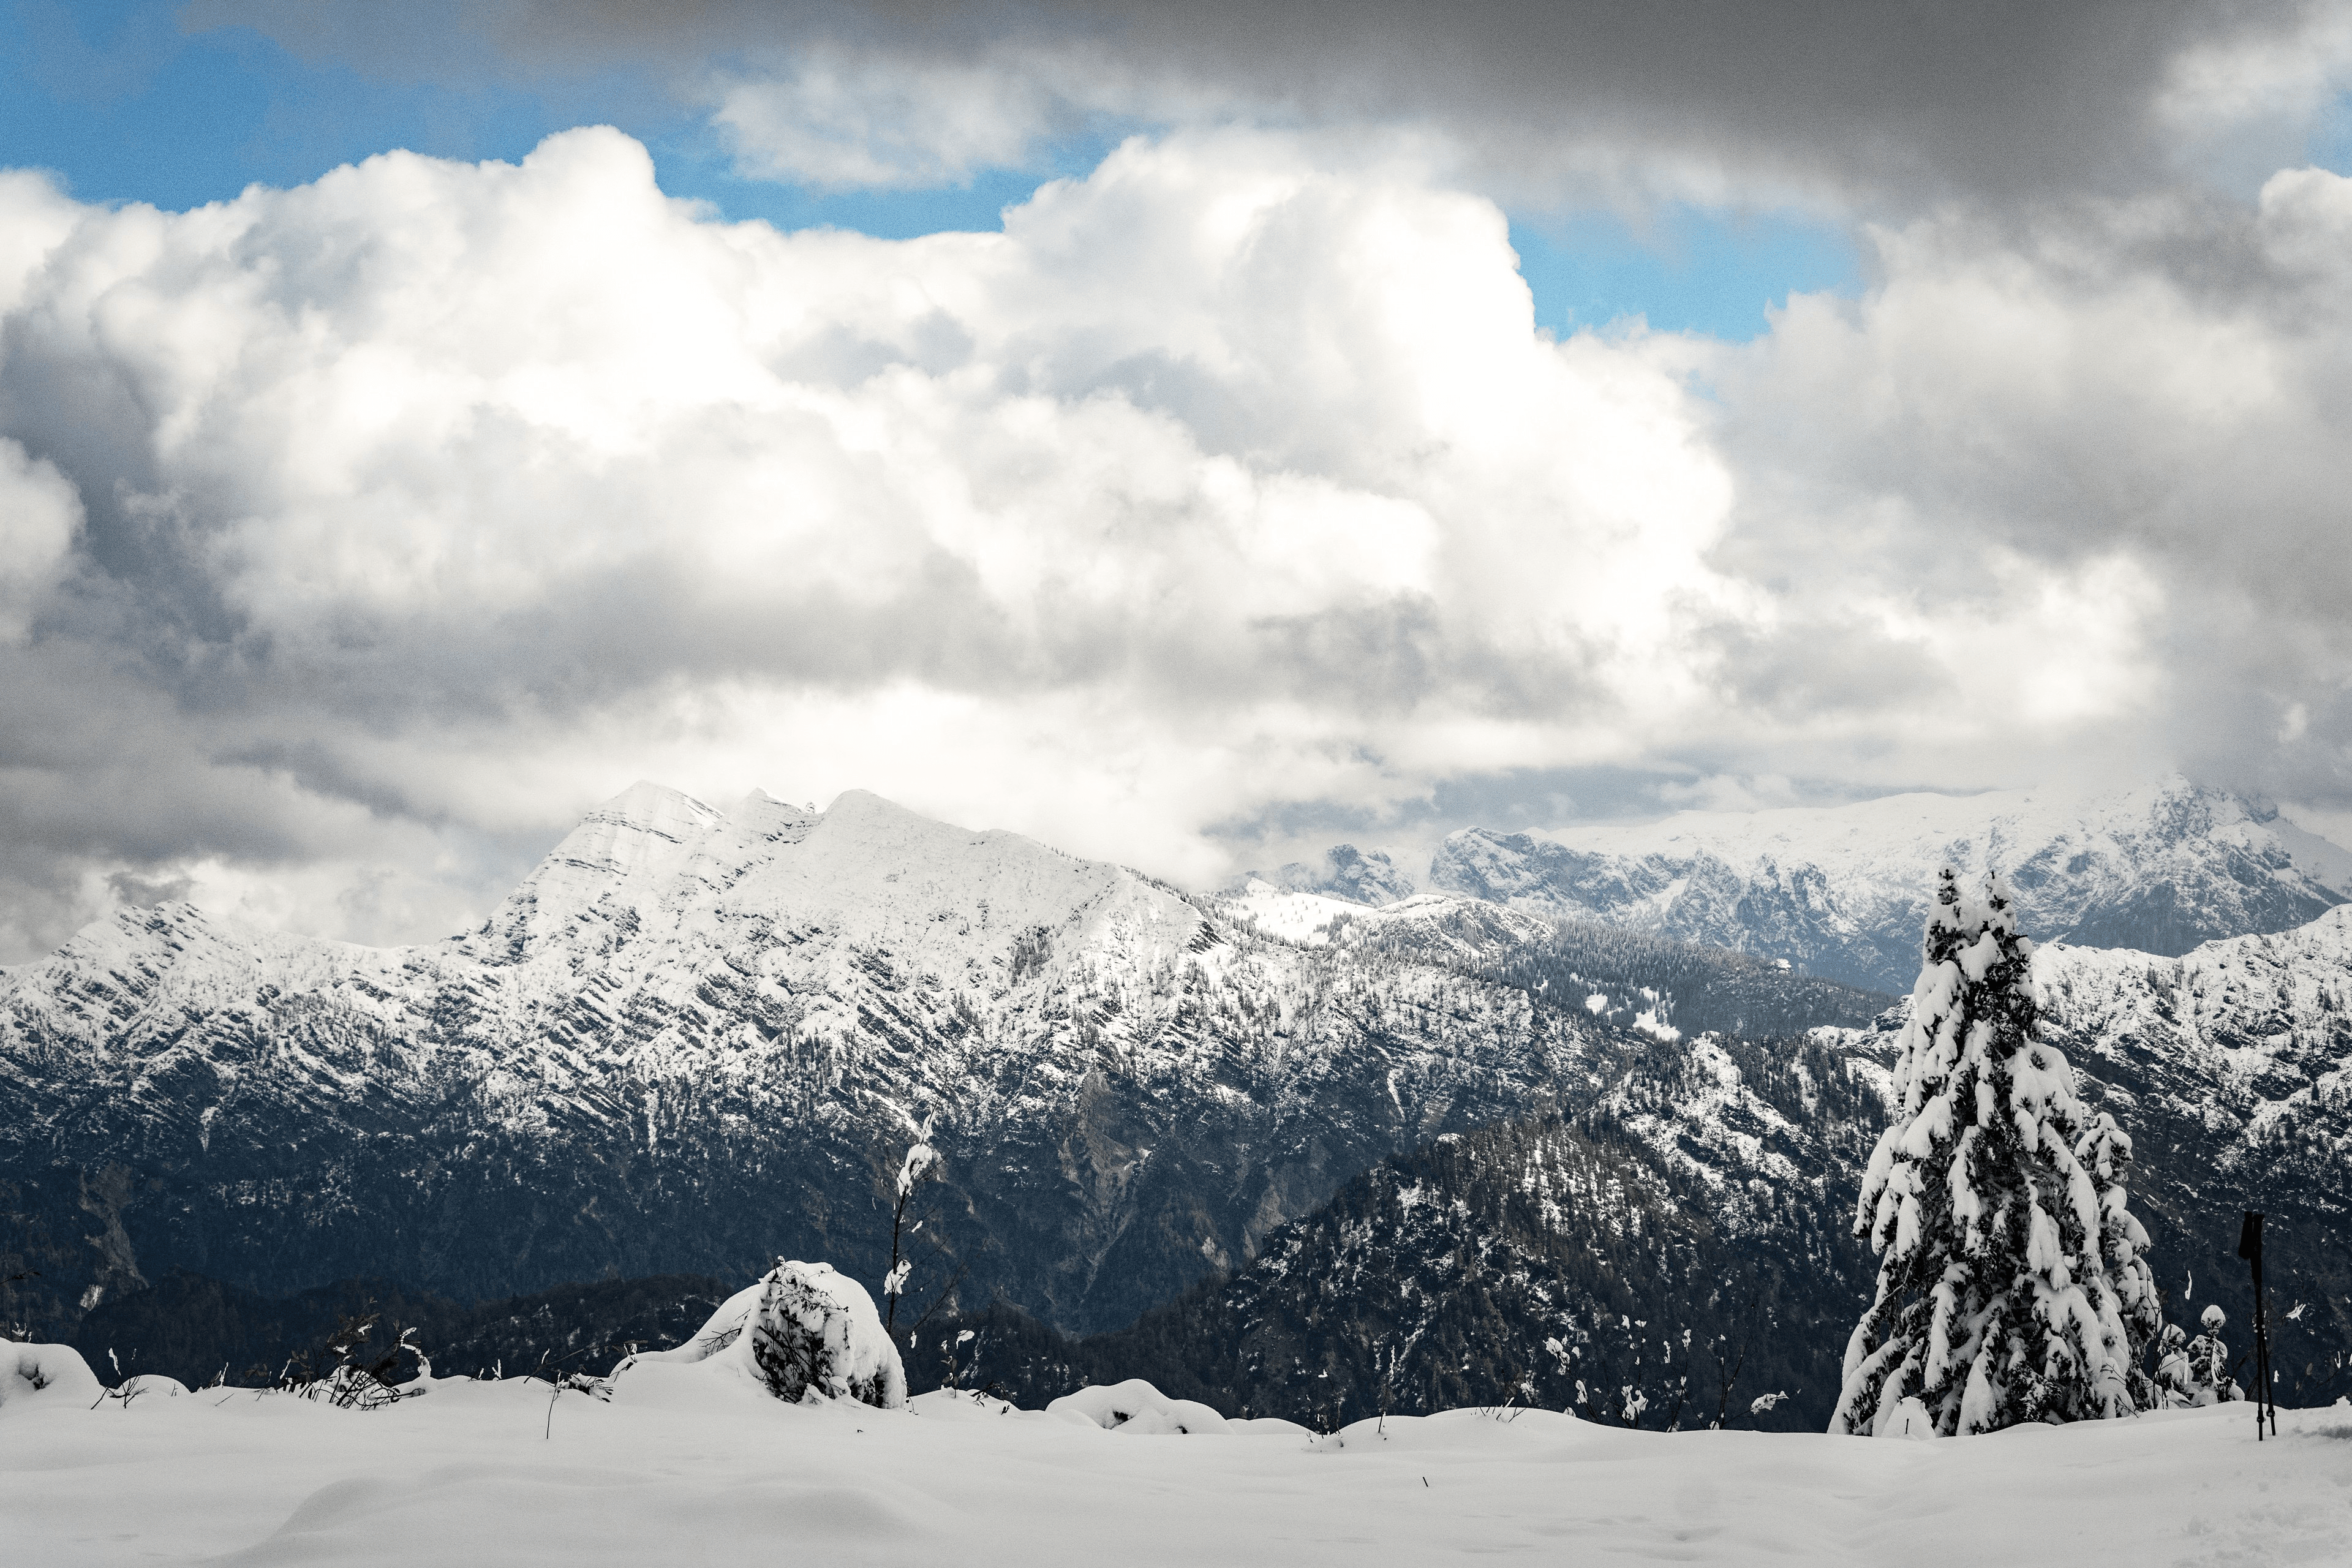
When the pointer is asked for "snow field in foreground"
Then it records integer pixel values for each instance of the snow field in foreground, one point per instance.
(693, 1471)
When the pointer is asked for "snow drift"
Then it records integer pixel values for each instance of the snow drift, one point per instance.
(53, 1374)
(1137, 1407)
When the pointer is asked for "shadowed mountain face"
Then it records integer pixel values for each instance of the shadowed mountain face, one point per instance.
(1842, 892)
(693, 1040)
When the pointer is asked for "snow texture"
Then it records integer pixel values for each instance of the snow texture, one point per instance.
(487, 1472)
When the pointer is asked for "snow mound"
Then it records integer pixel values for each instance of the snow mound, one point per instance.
(1908, 1420)
(804, 1333)
(1136, 1406)
(53, 1375)
(152, 1382)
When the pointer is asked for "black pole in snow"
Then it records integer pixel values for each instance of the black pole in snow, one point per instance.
(2250, 1247)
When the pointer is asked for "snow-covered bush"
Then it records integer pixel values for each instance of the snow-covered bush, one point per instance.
(802, 1332)
(2010, 1284)
(2208, 1363)
(920, 1161)
(2196, 1372)
(341, 1371)
(54, 1374)
(2173, 1380)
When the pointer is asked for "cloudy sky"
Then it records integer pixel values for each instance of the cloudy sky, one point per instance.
(1184, 432)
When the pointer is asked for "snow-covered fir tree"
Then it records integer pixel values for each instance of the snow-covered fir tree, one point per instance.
(2011, 1285)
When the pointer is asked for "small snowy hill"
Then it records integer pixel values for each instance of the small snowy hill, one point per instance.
(1842, 890)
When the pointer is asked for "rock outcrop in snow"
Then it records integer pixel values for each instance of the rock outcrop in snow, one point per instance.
(1135, 1408)
(805, 1332)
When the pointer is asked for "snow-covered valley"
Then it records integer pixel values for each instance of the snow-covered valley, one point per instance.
(485, 1472)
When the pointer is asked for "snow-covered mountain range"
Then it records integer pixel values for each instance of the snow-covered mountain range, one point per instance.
(1694, 1216)
(693, 1039)
(1841, 891)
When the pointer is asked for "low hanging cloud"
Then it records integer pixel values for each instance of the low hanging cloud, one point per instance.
(392, 520)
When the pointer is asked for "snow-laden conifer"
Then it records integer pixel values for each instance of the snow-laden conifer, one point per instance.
(2011, 1283)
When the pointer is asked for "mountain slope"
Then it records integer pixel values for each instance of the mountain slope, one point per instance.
(1707, 1190)
(1681, 1208)
(1842, 891)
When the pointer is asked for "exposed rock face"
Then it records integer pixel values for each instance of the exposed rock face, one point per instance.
(1842, 891)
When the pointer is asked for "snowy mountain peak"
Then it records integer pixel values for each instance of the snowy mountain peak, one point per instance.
(686, 1037)
(613, 866)
(1841, 890)
(643, 825)
(1342, 871)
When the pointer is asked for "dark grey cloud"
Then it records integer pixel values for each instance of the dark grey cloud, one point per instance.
(1880, 105)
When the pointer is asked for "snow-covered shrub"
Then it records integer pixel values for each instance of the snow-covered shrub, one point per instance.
(2173, 1380)
(2010, 1284)
(341, 1371)
(2195, 1372)
(802, 1332)
(1136, 1406)
(52, 1373)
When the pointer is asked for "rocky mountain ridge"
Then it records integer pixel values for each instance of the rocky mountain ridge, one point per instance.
(693, 1039)
(1840, 891)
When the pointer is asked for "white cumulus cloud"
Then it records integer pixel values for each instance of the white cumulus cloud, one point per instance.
(1228, 486)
